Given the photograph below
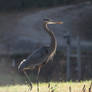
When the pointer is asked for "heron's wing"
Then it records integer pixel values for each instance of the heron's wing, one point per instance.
(38, 56)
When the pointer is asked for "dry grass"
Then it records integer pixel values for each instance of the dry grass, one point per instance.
(53, 87)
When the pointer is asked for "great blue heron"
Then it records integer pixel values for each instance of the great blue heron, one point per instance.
(40, 56)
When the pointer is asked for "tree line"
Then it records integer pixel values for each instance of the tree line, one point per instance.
(22, 4)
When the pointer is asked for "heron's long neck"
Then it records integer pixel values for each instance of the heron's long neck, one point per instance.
(53, 44)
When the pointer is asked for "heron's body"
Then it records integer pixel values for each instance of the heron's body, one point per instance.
(42, 55)
(38, 57)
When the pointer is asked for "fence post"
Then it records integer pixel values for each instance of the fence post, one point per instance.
(68, 44)
(78, 58)
(68, 62)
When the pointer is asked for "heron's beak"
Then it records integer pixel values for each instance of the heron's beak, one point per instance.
(55, 22)
(59, 22)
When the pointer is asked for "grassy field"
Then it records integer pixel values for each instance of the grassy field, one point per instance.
(56, 86)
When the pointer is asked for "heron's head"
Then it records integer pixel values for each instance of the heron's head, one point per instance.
(50, 21)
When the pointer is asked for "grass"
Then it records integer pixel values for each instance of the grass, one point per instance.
(57, 86)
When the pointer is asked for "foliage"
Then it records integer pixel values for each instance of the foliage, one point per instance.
(21, 4)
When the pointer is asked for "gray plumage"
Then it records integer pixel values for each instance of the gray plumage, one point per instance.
(39, 56)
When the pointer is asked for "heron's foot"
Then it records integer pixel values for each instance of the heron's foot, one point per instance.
(29, 86)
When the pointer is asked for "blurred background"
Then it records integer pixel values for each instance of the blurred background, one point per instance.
(21, 32)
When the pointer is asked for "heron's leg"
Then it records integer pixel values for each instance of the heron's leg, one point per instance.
(38, 79)
(29, 82)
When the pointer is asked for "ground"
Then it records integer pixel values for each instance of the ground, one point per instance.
(53, 87)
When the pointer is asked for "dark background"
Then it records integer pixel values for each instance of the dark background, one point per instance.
(17, 35)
